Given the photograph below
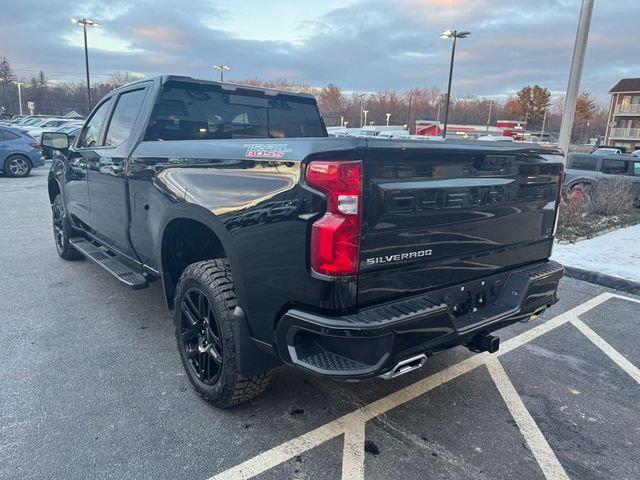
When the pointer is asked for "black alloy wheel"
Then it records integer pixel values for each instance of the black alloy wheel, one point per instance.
(58, 226)
(205, 329)
(201, 338)
(62, 231)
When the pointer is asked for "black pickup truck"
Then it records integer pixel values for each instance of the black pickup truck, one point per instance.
(350, 258)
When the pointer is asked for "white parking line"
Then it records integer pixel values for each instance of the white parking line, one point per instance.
(539, 446)
(353, 452)
(611, 352)
(353, 464)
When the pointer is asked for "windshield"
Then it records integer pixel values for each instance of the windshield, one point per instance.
(39, 122)
(68, 128)
(186, 111)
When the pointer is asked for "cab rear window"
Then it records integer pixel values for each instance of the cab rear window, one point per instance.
(200, 112)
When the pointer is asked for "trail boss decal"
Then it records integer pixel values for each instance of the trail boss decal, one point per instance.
(266, 150)
(398, 257)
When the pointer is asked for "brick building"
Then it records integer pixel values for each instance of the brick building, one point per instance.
(623, 126)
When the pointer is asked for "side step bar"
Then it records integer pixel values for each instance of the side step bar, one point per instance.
(111, 264)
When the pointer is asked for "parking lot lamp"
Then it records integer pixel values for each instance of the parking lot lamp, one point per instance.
(489, 117)
(364, 112)
(19, 84)
(222, 69)
(455, 35)
(85, 22)
(388, 115)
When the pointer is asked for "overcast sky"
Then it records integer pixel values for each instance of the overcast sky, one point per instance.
(367, 45)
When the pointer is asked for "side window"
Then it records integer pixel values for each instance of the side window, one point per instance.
(615, 167)
(89, 136)
(7, 135)
(124, 116)
(636, 169)
(584, 163)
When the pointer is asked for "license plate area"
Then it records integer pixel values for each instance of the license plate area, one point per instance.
(472, 296)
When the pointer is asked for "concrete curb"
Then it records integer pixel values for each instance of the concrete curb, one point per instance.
(616, 283)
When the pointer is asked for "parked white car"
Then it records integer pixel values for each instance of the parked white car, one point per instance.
(46, 125)
(495, 138)
(394, 134)
(37, 132)
(607, 151)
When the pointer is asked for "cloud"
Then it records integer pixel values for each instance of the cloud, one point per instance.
(364, 45)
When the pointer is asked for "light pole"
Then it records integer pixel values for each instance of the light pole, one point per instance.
(364, 112)
(388, 115)
(489, 117)
(586, 131)
(575, 73)
(84, 22)
(19, 84)
(409, 115)
(361, 97)
(222, 69)
(544, 122)
(455, 35)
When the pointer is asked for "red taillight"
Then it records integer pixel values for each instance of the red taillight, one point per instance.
(335, 238)
(35, 145)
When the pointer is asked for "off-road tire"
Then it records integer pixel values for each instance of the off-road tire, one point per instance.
(213, 278)
(62, 231)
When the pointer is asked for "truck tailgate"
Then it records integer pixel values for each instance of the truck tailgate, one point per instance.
(438, 214)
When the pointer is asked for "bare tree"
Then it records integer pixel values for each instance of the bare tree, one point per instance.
(119, 79)
(332, 104)
(6, 76)
(533, 103)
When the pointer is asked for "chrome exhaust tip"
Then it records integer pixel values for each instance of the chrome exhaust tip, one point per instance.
(405, 366)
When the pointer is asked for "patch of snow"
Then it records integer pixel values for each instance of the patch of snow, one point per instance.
(615, 253)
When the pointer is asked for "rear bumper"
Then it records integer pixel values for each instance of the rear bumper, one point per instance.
(37, 160)
(371, 342)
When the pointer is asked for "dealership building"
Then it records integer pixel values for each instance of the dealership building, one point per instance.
(503, 128)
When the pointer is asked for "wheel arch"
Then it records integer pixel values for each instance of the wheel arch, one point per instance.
(580, 181)
(18, 153)
(190, 234)
(53, 187)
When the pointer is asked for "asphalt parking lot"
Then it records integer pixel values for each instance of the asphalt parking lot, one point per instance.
(91, 386)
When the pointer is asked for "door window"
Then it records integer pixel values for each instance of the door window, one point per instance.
(615, 167)
(7, 135)
(89, 137)
(636, 169)
(124, 116)
(584, 163)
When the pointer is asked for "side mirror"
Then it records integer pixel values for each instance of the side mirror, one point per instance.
(55, 140)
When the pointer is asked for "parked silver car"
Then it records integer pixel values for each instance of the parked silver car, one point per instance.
(587, 169)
